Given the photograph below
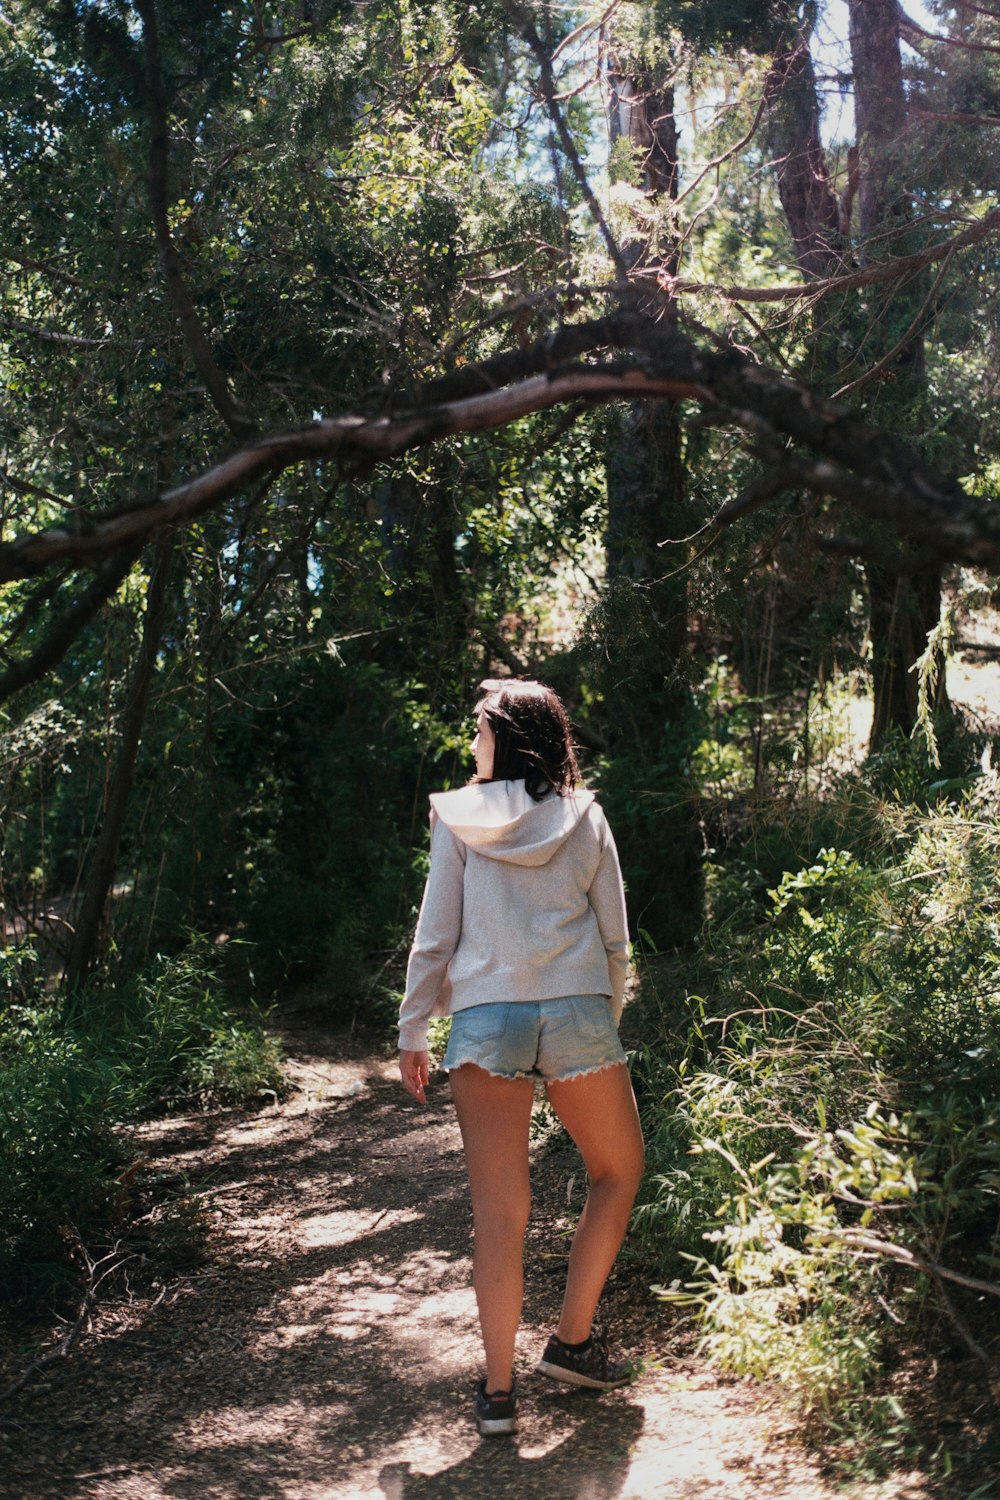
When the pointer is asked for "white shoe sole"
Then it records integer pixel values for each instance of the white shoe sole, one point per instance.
(498, 1427)
(573, 1377)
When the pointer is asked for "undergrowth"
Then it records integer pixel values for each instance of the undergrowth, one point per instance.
(75, 1074)
(820, 1087)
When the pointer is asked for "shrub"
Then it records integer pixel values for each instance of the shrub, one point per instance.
(169, 1036)
(58, 1150)
(74, 1074)
(831, 1107)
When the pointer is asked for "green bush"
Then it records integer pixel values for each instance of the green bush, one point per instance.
(169, 1038)
(58, 1148)
(74, 1074)
(822, 1104)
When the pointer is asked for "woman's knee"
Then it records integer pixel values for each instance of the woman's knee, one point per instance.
(622, 1171)
(505, 1217)
(619, 1162)
(501, 1202)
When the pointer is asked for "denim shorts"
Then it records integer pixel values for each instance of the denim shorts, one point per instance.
(550, 1039)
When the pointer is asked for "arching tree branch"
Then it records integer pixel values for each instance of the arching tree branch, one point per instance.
(830, 448)
(68, 626)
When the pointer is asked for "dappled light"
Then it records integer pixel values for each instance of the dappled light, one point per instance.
(597, 401)
(324, 1354)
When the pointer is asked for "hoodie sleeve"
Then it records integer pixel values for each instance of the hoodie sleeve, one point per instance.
(439, 927)
(607, 897)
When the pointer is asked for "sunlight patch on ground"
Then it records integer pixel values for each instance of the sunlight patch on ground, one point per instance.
(427, 1267)
(231, 1424)
(343, 1225)
(356, 1314)
(437, 1136)
(454, 1354)
(364, 1311)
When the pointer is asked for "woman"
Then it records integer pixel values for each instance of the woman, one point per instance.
(522, 939)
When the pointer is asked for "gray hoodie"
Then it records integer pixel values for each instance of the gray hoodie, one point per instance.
(524, 901)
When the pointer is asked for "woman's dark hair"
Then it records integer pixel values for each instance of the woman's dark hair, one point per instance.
(532, 736)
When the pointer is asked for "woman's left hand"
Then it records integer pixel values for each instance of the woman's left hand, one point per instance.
(415, 1071)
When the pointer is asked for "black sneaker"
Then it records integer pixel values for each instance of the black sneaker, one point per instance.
(589, 1367)
(496, 1414)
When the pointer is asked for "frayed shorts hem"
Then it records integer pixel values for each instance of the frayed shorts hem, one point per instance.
(616, 1062)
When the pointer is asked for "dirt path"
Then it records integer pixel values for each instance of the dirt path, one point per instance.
(328, 1345)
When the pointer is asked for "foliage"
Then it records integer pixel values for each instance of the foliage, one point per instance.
(364, 197)
(168, 1036)
(59, 1148)
(831, 1108)
(163, 1039)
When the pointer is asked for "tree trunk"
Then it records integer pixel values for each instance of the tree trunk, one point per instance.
(807, 197)
(782, 606)
(101, 872)
(903, 607)
(879, 115)
(646, 692)
(903, 612)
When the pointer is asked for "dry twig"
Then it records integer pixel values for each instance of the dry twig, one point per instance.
(97, 1272)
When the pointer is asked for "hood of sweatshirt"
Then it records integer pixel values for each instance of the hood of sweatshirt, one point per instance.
(500, 820)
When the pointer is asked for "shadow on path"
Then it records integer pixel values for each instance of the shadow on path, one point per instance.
(591, 1464)
(329, 1347)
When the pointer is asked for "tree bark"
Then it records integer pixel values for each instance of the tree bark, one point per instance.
(904, 607)
(646, 693)
(879, 114)
(903, 610)
(780, 605)
(807, 197)
(101, 871)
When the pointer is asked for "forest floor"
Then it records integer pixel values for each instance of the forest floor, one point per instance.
(324, 1344)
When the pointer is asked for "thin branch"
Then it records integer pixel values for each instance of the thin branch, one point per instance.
(502, 650)
(524, 22)
(64, 632)
(914, 33)
(897, 348)
(954, 117)
(581, 88)
(106, 1266)
(859, 1240)
(971, 1343)
(44, 594)
(56, 336)
(768, 89)
(889, 270)
(585, 26)
(25, 487)
(275, 39)
(26, 264)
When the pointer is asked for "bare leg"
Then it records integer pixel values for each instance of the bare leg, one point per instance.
(598, 1110)
(494, 1114)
